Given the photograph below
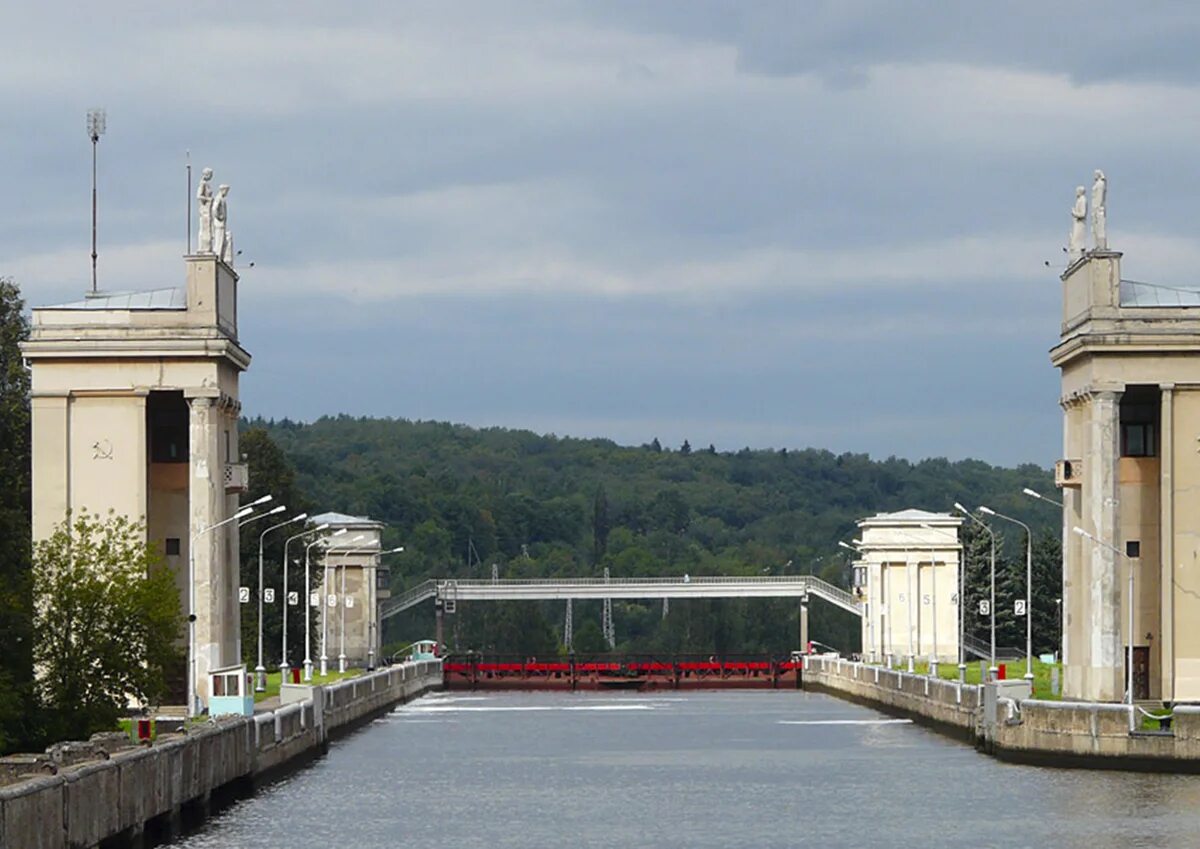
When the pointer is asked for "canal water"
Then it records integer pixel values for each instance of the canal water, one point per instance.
(701, 769)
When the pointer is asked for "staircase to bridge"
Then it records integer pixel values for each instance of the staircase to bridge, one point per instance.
(454, 590)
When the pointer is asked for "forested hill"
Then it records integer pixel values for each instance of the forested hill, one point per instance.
(461, 499)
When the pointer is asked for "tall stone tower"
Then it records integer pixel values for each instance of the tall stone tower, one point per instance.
(135, 409)
(1130, 475)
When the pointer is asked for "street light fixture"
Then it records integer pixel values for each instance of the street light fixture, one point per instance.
(192, 706)
(271, 512)
(992, 604)
(342, 604)
(324, 615)
(1028, 587)
(260, 671)
(867, 604)
(1129, 655)
(1035, 494)
(283, 652)
(345, 552)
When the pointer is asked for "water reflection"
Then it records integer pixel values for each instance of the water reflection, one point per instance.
(759, 769)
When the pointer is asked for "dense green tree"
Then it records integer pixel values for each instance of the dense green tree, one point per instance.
(442, 489)
(271, 473)
(600, 524)
(108, 622)
(16, 661)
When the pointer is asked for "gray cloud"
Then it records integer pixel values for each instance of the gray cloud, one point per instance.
(771, 223)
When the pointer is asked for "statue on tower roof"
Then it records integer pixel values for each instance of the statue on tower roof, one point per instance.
(1078, 225)
(1099, 224)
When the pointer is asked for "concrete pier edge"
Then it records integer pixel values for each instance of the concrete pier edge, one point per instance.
(1061, 734)
(143, 796)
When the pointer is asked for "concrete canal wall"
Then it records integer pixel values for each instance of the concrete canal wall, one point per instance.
(148, 792)
(952, 707)
(1091, 735)
(1095, 736)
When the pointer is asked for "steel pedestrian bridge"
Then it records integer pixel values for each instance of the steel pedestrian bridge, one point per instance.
(542, 589)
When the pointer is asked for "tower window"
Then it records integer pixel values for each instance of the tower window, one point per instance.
(1140, 407)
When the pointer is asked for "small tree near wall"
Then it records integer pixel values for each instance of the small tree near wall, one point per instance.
(107, 622)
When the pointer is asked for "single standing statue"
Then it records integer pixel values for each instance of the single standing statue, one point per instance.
(1078, 225)
(220, 240)
(1099, 224)
(204, 200)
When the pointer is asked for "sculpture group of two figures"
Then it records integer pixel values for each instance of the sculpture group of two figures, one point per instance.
(215, 235)
(1079, 214)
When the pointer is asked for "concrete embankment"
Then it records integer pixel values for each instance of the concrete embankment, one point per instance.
(1094, 736)
(1050, 733)
(148, 793)
(947, 705)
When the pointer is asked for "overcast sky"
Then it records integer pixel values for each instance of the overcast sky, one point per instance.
(773, 224)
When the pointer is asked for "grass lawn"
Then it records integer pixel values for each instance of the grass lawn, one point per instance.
(273, 681)
(1013, 668)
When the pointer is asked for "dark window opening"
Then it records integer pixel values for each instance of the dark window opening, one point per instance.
(167, 427)
(1140, 407)
(1133, 548)
(172, 546)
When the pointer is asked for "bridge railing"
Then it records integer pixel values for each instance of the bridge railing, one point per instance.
(810, 583)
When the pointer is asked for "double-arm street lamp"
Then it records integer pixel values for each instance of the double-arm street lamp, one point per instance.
(868, 611)
(325, 605)
(283, 650)
(1035, 494)
(349, 552)
(323, 542)
(991, 604)
(260, 671)
(192, 705)
(987, 511)
(1129, 653)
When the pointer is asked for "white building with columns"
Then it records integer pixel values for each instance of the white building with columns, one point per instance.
(135, 409)
(907, 576)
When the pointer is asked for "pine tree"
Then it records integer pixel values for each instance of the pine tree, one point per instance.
(1047, 592)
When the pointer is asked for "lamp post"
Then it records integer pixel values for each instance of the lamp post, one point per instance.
(1058, 655)
(933, 655)
(347, 552)
(992, 604)
(260, 671)
(245, 511)
(342, 604)
(1129, 654)
(283, 652)
(324, 615)
(1034, 494)
(1028, 587)
(869, 612)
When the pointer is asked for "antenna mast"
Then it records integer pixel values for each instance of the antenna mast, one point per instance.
(96, 124)
(188, 205)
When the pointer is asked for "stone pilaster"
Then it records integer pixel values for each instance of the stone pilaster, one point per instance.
(1100, 496)
(1166, 644)
(209, 582)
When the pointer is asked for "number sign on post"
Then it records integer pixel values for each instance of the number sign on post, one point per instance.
(293, 598)
(985, 607)
(1019, 607)
(244, 595)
